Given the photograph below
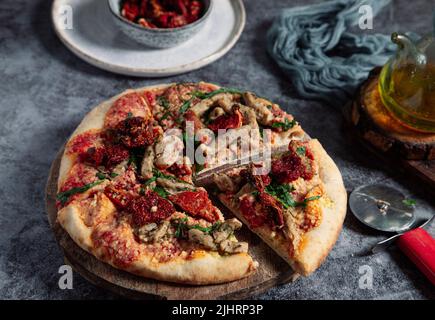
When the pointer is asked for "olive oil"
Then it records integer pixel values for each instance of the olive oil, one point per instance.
(408, 92)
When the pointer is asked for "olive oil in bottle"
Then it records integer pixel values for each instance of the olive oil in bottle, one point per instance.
(409, 93)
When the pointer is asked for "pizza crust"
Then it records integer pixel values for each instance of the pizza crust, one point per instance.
(204, 268)
(317, 243)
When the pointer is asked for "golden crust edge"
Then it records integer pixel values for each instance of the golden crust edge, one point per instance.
(209, 268)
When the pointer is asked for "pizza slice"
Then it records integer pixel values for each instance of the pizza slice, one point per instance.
(213, 116)
(297, 207)
(119, 203)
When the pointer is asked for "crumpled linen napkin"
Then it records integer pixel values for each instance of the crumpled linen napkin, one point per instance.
(324, 60)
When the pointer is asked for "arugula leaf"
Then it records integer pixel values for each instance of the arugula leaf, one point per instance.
(158, 174)
(306, 200)
(113, 174)
(409, 202)
(286, 125)
(167, 113)
(150, 180)
(163, 102)
(64, 196)
(281, 192)
(161, 191)
(301, 151)
(182, 227)
(100, 175)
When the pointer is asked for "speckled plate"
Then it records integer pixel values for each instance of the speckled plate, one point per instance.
(94, 37)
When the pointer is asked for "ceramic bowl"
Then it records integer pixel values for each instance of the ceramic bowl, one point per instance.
(158, 37)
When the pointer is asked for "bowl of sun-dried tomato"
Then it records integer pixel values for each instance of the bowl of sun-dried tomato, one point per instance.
(160, 23)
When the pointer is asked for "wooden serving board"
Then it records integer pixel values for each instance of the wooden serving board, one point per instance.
(271, 272)
(399, 147)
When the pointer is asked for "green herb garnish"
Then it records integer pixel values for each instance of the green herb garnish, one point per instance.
(158, 174)
(100, 175)
(409, 202)
(150, 180)
(182, 227)
(281, 192)
(64, 196)
(166, 114)
(286, 125)
(301, 151)
(306, 200)
(113, 175)
(129, 115)
(163, 102)
(161, 191)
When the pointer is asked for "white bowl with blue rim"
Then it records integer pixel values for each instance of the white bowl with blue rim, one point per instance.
(158, 37)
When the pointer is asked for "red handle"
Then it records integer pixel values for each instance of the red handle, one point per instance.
(419, 246)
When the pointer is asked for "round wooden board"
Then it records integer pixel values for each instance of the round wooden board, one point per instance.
(271, 272)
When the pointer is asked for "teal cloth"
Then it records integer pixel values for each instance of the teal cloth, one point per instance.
(322, 58)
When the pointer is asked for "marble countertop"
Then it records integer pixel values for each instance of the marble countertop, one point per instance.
(46, 90)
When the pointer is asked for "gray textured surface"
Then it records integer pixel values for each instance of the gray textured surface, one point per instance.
(46, 90)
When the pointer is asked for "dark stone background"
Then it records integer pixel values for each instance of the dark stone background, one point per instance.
(45, 92)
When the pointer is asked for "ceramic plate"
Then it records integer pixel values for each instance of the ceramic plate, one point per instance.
(86, 27)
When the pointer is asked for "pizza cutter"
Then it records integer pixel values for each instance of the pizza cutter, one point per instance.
(384, 208)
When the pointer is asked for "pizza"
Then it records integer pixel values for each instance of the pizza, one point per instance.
(128, 191)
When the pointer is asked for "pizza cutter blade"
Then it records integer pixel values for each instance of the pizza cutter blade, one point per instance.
(383, 208)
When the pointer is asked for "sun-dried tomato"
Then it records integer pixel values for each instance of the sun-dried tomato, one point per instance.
(120, 198)
(93, 156)
(255, 218)
(115, 154)
(162, 13)
(273, 207)
(287, 168)
(130, 10)
(135, 132)
(227, 121)
(196, 203)
(180, 170)
(107, 155)
(150, 208)
(260, 182)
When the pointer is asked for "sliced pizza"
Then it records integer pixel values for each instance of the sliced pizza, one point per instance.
(297, 207)
(127, 190)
